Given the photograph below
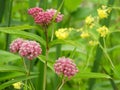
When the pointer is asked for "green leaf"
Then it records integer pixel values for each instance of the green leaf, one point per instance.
(18, 79)
(69, 48)
(9, 75)
(72, 5)
(26, 35)
(23, 27)
(113, 48)
(8, 68)
(69, 42)
(91, 75)
(7, 57)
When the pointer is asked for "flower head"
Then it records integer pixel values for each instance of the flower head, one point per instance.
(103, 31)
(85, 35)
(89, 20)
(30, 49)
(44, 17)
(17, 85)
(62, 33)
(103, 12)
(66, 67)
(16, 44)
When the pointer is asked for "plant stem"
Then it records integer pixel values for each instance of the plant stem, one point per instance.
(88, 59)
(45, 65)
(105, 51)
(27, 74)
(24, 64)
(63, 82)
(10, 2)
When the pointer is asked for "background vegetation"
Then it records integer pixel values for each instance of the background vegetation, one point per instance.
(95, 70)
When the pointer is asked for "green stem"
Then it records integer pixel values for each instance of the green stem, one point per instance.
(52, 36)
(27, 74)
(24, 64)
(8, 22)
(88, 59)
(45, 65)
(30, 63)
(105, 51)
(62, 83)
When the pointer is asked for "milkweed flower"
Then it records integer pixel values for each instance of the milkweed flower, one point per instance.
(17, 85)
(66, 67)
(62, 33)
(44, 18)
(15, 45)
(103, 31)
(85, 35)
(30, 49)
(103, 12)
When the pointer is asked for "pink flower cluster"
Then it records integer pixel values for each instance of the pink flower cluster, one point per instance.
(42, 17)
(28, 49)
(66, 67)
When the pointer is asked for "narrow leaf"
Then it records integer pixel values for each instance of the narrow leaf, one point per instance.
(26, 35)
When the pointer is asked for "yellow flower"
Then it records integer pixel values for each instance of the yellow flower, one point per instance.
(103, 12)
(103, 31)
(84, 35)
(62, 33)
(89, 20)
(93, 43)
(17, 85)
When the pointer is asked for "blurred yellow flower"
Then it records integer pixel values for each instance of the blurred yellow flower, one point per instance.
(89, 20)
(93, 43)
(62, 33)
(103, 12)
(17, 85)
(103, 31)
(85, 35)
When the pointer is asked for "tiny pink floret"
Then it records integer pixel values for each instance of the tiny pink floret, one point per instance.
(66, 67)
(30, 49)
(15, 45)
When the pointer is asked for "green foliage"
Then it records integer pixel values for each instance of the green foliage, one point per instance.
(71, 5)
(98, 65)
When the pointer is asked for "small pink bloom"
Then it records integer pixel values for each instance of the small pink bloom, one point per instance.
(15, 45)
(34, 11)
(30, 49)
(66, 67)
